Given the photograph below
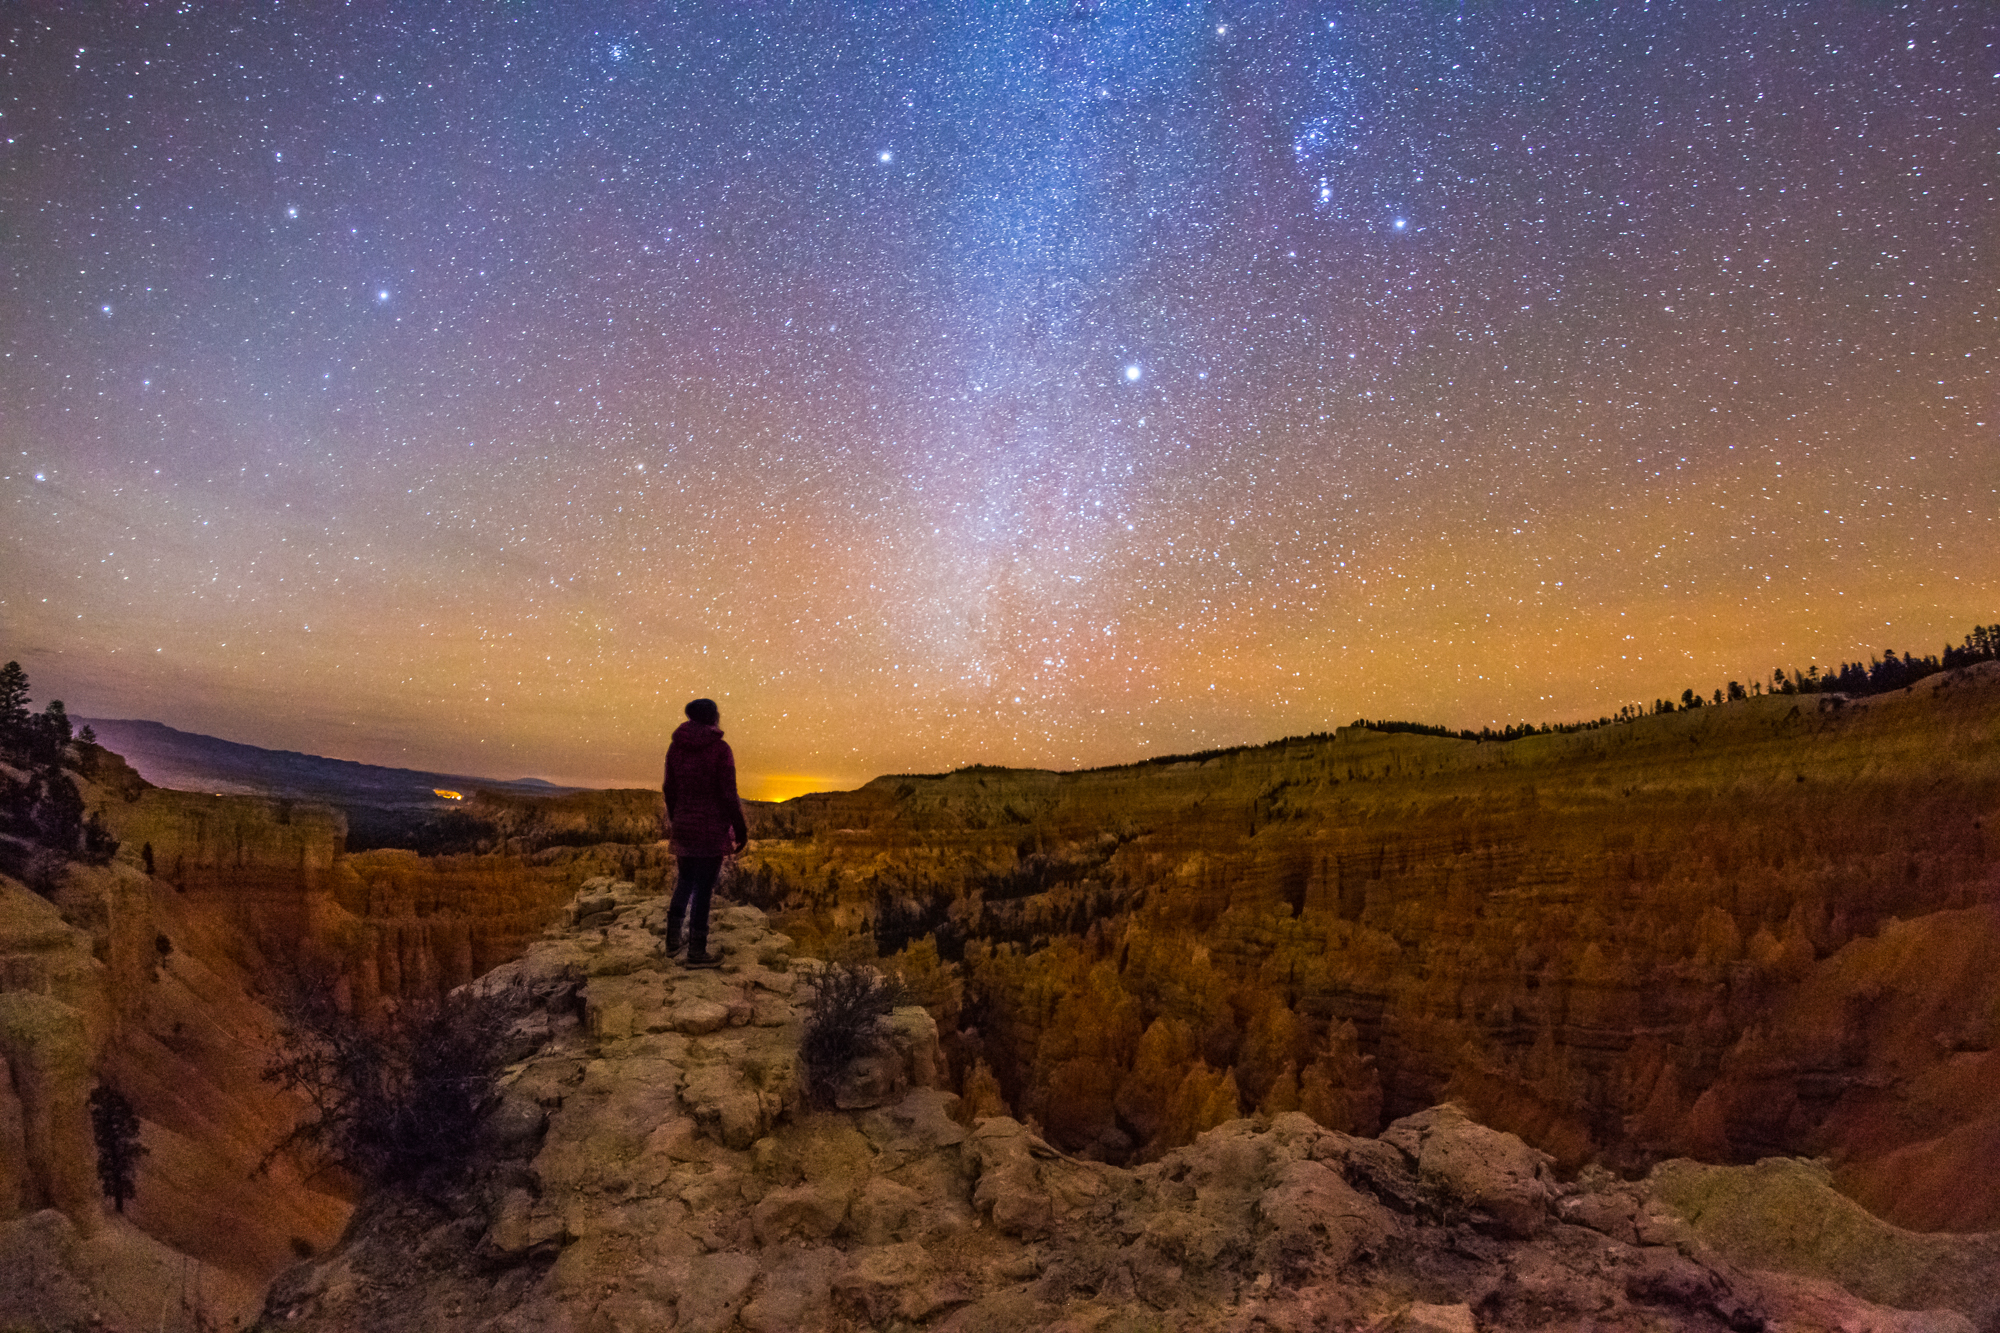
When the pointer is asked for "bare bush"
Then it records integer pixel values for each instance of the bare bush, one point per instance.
(400, 1100)
(843, 1022)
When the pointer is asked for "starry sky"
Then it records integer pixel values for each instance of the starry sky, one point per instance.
(467, 385)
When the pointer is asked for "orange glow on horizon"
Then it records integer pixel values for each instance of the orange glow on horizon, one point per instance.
(784, 786)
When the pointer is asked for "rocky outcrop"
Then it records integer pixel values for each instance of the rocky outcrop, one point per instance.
(649, 1163)
(114, 1276)
(1764, 928)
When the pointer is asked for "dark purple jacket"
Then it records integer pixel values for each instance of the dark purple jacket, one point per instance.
(700, 788)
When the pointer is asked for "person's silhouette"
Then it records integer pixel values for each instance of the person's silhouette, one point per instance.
(706, 820)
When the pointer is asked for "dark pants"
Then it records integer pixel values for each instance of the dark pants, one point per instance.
(693, 888)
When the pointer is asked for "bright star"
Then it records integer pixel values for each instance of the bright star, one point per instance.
(1402, 223)
(1132, 372)
(885, 156)
(382, 295)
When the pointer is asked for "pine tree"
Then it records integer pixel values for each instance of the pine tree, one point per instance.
(13, 704)
(48, 735)
(116, 1128)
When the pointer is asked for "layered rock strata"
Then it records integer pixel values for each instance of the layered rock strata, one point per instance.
(119, 982)
(394, 925)
(1761, 928)
(649, 1164)
(166, 986)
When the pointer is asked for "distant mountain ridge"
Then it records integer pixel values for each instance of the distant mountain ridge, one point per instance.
(167, 757)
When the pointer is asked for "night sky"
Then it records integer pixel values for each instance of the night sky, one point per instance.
(466, 386)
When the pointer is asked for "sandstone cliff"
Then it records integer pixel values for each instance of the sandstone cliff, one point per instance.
(648, 1164)
(165, 986)
(1767, 928)
(119, 982)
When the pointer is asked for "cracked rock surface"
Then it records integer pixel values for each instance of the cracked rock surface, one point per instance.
(649, 1163)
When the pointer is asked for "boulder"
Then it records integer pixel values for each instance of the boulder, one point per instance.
(795, 1291)
(716, 1287)
(885, 1211)
(1316, 1218)
(1461, 1163)
(1024, 1186)
(888, 1282)
(1422, 1318)
(807, 1211)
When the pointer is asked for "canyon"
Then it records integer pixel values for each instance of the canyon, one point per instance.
(653, 1161)
(1765, 929)
(170, 987)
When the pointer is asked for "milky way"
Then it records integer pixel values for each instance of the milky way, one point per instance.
(467, 386)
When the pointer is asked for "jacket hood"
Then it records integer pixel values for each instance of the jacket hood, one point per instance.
(697, 735)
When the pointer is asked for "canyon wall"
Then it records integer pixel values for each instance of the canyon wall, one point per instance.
(168, 987)
(1771, 927)
(118, 981)
(391, 925)
(1758, 928)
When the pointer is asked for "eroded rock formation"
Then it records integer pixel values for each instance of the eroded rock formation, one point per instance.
(649, 1165)
(1761, 928)
(393, 924)
(166, 987)
(120, 982)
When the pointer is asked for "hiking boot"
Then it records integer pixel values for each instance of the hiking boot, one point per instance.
(701, 958)
(672, 943)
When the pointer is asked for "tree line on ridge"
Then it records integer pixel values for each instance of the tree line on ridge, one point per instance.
(1879, 675)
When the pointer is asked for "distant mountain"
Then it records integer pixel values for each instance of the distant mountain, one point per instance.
(185, 761)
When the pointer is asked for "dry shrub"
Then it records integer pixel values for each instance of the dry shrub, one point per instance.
(397, 1101)
(843, 1022)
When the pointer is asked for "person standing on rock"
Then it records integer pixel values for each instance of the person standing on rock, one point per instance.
(706, 820)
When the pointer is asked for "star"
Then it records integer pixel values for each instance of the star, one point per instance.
(1441, 481)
